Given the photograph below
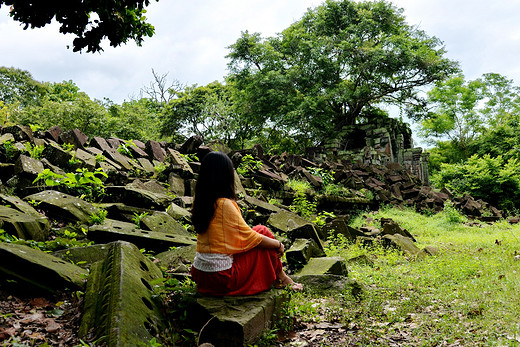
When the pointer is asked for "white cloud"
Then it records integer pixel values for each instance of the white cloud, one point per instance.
(192, 36)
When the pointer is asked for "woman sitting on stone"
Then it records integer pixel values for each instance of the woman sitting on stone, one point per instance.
(232, 258)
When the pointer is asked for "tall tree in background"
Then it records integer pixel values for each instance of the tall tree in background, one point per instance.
(502, 100)
(89, 21)
(18, 87)
(327, 69)
(453, 112)
(206, 111)
(472, 117)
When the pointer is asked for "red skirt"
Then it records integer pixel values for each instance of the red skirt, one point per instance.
(252, 272)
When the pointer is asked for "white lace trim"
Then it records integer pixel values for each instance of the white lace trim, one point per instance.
(212, 262)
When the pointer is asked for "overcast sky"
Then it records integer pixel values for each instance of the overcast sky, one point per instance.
(192, 36)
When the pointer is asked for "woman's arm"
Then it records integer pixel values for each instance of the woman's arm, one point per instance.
(268, 242)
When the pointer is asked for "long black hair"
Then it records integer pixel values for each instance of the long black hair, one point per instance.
(216, 180)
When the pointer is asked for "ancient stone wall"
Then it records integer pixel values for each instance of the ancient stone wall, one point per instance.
(380, 142)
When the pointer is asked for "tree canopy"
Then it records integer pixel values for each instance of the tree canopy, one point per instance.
(18, 86)
(329, 68)
(454, 114)
(89, 21)
(476, 116)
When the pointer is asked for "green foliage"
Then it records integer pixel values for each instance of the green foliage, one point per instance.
(138, 217)
(88, 185)
(435, 299)
(328, 68)
(34, 151)
(99, 217)
(327, 176)
(9, 149)
(62, 239)
(500, 140)
(303, 206)
(178, 297)
(17, 87)
(336, 245)
(5, 237)
(248, 165)
(479, 117)
(159, 168)
(367, 193)
(455, 115)
(278, 140)
(444, 152)
(124, 148)
(301, 203)
(100, 158)
(322, 217)
(452, 214)
(502, 100)
(89, 116)
(298, 186)
(5, 113)
(190, 157)
(89, 22)
(495, 180)
(68, 147)
(73, 160)
(336, 189)
(207, 111)
(134, 119)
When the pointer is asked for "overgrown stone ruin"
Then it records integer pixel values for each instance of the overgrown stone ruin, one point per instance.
(143, 203)
(381, 141)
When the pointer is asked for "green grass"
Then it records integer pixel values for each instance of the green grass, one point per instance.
(468, 294)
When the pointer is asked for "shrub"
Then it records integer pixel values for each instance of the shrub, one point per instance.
(88, 185)
(299, 187)
(495, 180)
(327, 176)
(248, 165)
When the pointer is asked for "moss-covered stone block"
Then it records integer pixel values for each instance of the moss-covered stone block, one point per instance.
(84, 256)
(323, 266)
(23, 225)
(62, 206)
(178, 213)
(294, 226)
(55, 154)
(301, 251)
(236, 321)
(132, 196)
(180, 255)
(150, 240)
(402, 243)
(164, 223)
(35, 270)
(120, 308)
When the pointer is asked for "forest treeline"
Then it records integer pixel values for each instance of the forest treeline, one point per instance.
(342, 63)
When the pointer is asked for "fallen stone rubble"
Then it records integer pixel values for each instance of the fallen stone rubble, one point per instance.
(143, 202)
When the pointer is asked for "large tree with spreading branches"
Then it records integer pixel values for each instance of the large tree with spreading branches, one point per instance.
(334, 65)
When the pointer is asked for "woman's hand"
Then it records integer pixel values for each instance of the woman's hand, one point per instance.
(280, 250)
(274, 244)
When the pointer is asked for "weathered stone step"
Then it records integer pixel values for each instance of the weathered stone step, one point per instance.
(236, 321)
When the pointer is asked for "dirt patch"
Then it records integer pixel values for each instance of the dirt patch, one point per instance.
(27, 320)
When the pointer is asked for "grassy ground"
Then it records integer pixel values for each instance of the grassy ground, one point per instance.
(468, 294)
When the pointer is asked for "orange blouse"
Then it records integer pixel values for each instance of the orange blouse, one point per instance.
(228, 232)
